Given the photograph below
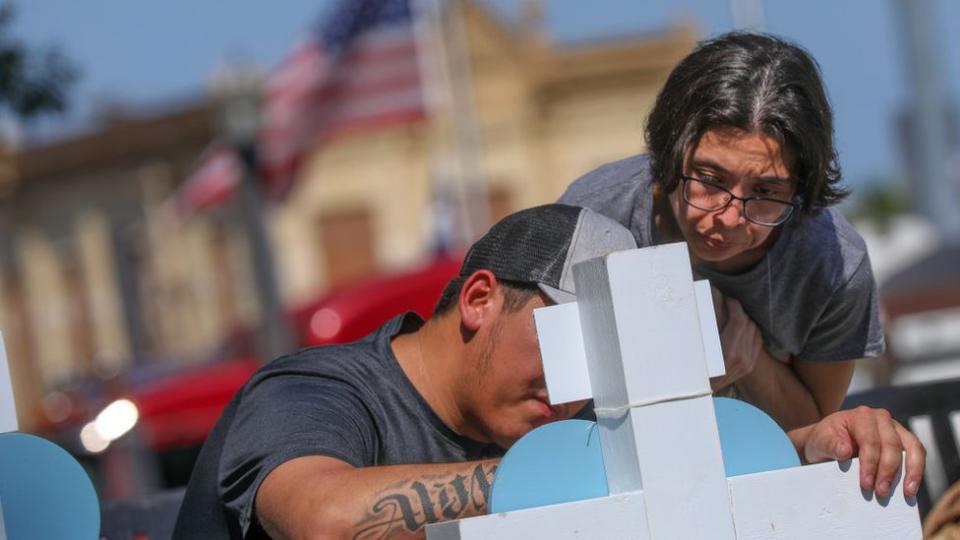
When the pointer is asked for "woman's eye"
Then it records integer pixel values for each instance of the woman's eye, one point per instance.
(707, 179)
(770, 193)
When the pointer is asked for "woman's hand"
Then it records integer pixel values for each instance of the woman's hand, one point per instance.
(740, 340)
(795, 394)
(873, 436)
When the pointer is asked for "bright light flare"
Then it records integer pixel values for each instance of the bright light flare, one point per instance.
(91, 440)
(118, 418)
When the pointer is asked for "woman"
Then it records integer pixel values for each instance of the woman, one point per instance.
(742, 167)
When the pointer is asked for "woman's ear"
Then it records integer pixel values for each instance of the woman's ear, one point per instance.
(479, 299)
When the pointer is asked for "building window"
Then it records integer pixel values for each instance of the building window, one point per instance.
(347, 240)
(498, 200)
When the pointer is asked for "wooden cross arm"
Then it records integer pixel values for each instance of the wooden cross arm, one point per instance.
(816, 501)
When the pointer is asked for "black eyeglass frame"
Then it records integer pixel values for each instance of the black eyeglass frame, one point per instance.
(790, 205)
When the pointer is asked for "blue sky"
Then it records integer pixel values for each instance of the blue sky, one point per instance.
(148, 54)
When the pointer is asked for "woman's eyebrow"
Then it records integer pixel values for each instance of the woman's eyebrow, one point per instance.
(708, 164)
(779, 180)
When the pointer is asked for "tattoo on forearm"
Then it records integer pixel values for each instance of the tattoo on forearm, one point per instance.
(405, 507)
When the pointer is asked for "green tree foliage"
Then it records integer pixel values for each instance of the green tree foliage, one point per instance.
(32, 82)
(880, 203)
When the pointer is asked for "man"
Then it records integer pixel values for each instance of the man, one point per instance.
(377, 438)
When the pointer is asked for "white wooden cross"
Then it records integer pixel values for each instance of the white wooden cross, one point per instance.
(647, 360)
(8, 409)
(8, 412)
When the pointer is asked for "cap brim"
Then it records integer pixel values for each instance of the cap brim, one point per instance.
(557, 295)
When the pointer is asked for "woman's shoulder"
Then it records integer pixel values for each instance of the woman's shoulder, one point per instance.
(624, 173)
(620, 190)
(827, 244)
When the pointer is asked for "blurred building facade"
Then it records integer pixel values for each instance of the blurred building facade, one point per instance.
(98, 272)
(81, 276)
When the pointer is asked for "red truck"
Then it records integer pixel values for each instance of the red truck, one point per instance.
(172, 413)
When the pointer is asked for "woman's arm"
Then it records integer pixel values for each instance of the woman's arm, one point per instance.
(794, 394)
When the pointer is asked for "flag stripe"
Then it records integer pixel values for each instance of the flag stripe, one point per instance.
(403, 87)
(354, 78)
(314, 68)
(408, 106)
(403, 95)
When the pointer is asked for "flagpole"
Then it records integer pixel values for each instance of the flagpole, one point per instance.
(240, 124)
(446, 195)
(465, 120)
(452, 89)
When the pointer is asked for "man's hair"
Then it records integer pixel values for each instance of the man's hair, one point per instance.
(757, 83)
(516, 294)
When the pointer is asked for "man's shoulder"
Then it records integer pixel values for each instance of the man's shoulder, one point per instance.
(361, 358)
(353, 363)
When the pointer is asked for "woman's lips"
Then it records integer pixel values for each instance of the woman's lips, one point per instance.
(714, 244)
(711, 242)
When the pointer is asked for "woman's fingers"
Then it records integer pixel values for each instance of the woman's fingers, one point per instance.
(915, 462)
(891, 453)
(867, 436)
(882, 442)
(877, 440)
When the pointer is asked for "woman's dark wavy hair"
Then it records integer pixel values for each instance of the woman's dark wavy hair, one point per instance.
(757, 83)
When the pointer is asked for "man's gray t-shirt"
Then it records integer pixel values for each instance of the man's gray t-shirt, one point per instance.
(813, 295)
(351, 402)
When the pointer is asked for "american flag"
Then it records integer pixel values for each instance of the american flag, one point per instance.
(357, 70)
(213, 181)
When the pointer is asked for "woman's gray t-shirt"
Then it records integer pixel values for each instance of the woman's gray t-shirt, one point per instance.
(813, 295)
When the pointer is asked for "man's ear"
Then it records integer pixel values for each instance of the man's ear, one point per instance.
(479, 299)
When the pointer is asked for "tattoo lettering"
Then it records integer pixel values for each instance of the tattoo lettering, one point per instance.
(392, 504)
(425, 501)
(450, 507)
(482, 484)
(407, 506)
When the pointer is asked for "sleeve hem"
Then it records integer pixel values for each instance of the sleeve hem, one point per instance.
(871, 352)
(247, 516)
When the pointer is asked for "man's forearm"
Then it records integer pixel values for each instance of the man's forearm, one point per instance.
(775, 387)
(309, 498)
(405, 505)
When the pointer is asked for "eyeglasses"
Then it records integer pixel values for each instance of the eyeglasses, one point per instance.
(712, 197)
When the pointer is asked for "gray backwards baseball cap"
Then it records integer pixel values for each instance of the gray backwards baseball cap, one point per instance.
(541, 244)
